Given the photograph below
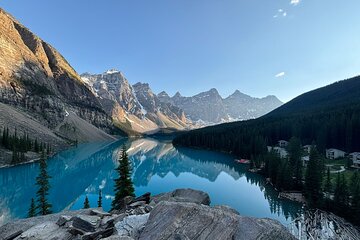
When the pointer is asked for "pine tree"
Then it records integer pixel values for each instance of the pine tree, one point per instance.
(273, 166)
(123, 184)
(100, 199)
(313, 178)
(42, 180)
(15, 157)
(341, 194)
(296, 167)
(86, 202)
(327, 189)
(355, 200)
(32, 209)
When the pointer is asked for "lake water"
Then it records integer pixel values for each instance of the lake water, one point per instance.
(157, 167)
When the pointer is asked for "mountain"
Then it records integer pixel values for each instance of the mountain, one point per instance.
(240, 106)
(210, 108)
(135, 109)
(39, 87)
(330, 116)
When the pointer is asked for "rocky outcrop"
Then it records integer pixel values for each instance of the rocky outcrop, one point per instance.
(37, 79)
(181, 214)
(184, 220)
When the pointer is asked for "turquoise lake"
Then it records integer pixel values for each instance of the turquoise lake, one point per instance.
(157, 167)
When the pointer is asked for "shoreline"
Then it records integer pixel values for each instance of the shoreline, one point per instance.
(33, 160)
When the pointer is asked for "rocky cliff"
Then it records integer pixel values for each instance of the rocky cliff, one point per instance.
(134, 108)
(181, 214)
(37, 80)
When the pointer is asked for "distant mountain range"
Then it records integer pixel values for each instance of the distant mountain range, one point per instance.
(210, 108)
(138, 108)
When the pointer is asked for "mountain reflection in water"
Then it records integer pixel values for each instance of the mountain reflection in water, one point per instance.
(157, 167)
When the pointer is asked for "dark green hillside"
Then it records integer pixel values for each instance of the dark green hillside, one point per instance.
(340, 94)
(330, 116)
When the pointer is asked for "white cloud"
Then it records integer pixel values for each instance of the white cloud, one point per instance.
(280, 74)
(281, 13)
(295, 2)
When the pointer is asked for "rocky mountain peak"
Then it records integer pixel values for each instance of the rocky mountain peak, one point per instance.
(238, 94)
(112, 71)
(214, 91)
(163, 94)
(177, 95)
(272, 97)
(142, 86)
(211, 95)
(164, 97)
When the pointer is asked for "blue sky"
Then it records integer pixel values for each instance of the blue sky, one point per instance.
(261, 47)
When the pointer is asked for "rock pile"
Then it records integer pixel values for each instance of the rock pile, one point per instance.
(181, 214)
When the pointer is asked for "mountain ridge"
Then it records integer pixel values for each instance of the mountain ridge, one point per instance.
(133, 107)
(237, 106)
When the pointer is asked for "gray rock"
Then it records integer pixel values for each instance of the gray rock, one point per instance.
(99, 212)
(180, 220)
(75, 231)
(117, 237)
(45, 231)
(98, 234)
(85, 223)
(226, 208)
(148, 208)
(63, 219)
(110, 221)
(27, 223)
(183, 195)
(14, 235)
(145, 197)
(137, 204)
(132, 226)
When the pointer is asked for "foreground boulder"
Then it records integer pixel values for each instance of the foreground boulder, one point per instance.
(183, 220)
(181, 214)
(183, 195)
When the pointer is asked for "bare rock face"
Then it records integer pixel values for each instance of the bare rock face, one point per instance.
(53, 231)
(132, 226)
(175, 220)
(135, 108)
(37, 79)
(164, 114)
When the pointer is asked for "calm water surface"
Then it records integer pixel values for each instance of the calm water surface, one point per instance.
(157, 167)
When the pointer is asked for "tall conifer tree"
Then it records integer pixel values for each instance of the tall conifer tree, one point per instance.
(32, 209)
(123, 184)
(100, 199)
(42, 180)
(86, 203)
